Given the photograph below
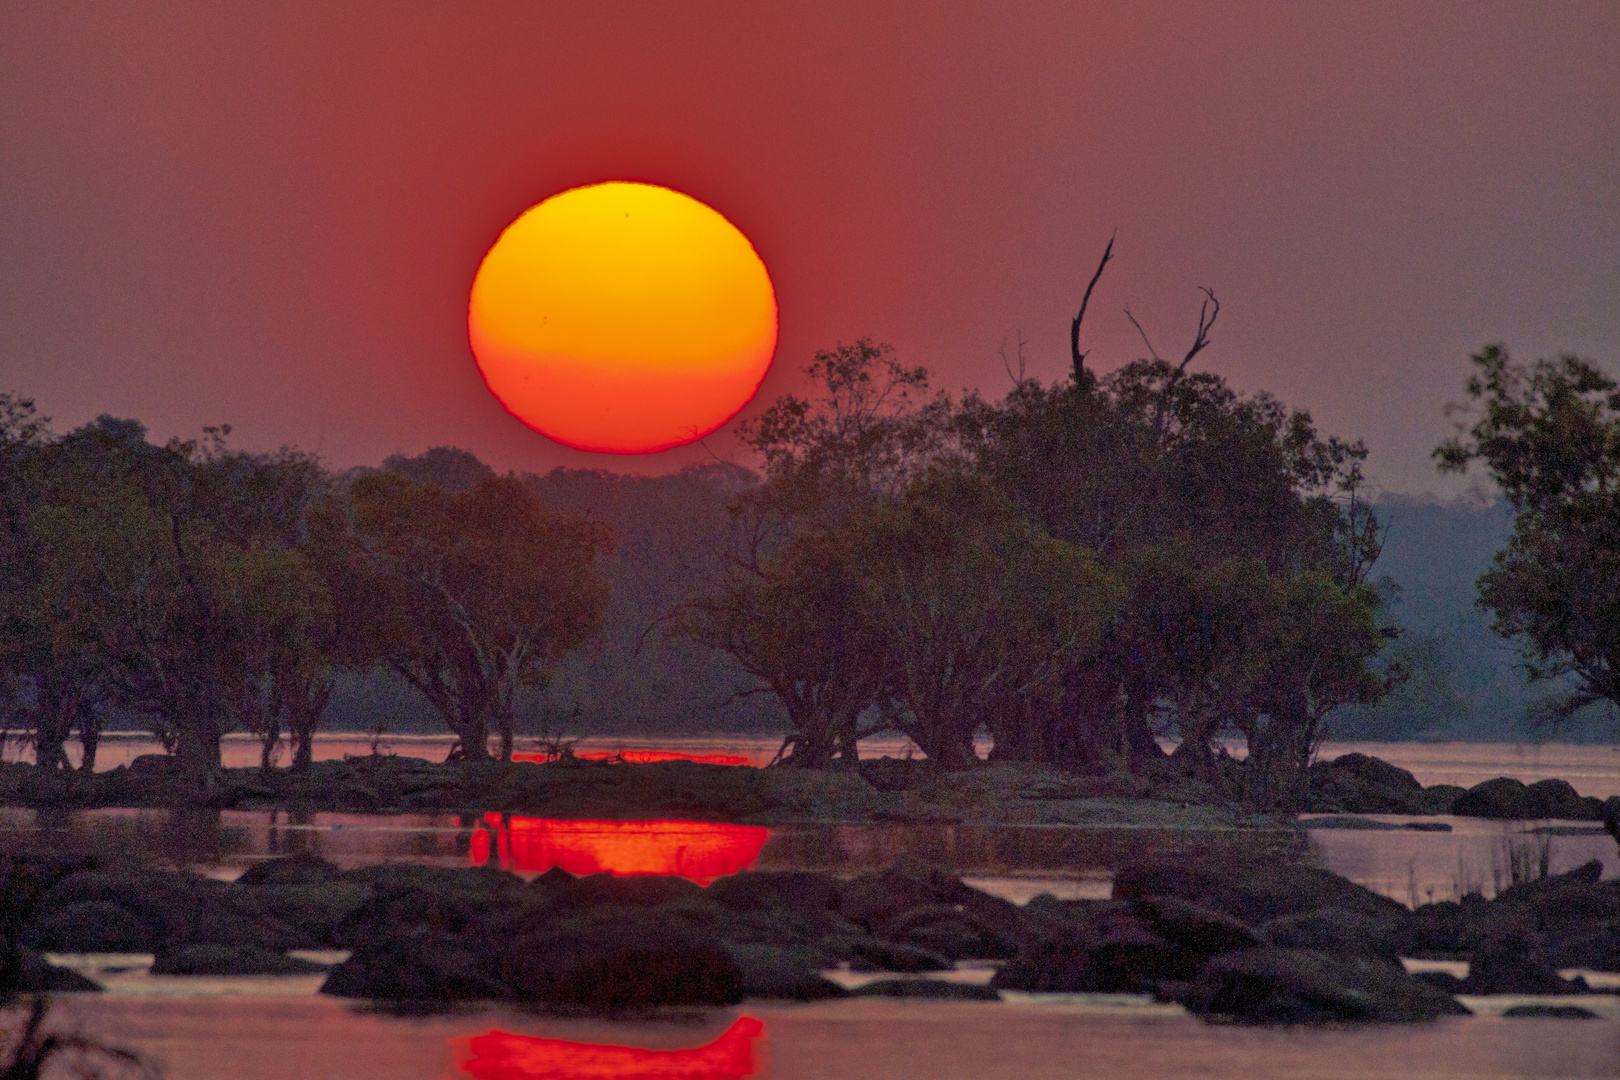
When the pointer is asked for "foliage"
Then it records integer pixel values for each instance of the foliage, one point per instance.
(469, 596)
(1549, 436)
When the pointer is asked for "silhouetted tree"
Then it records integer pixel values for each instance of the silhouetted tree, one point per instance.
(1549, 436)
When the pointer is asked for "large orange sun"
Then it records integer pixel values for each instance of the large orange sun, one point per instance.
(622, 318)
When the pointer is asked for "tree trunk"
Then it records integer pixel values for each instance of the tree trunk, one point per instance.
(89, 739)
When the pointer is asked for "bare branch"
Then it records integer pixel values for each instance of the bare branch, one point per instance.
(1208, 311)
(1074, 327)
(1151, 350)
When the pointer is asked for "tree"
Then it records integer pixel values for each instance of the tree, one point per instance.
(1549, 436)
(974, 613)
(470, 597)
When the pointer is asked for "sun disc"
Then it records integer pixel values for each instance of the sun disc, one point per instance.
(623, 318)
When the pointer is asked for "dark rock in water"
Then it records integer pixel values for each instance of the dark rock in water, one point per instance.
(618, 964)
(1503, 799)
(1550, 1012)
(1194, 933)
(1339, 932)
(1361, 784)
(928, 989)
(417, 964)
(1290, 986)
(1113, 951)
(873, 899)
(302, 869)
(35, 975)
(889, 956)
(607, 890)
(1433, 931)
(808, 895)
(1440, 980)
(1595, 947)
(1348, 822)
(318, 908)
(92, 926)
(230, 960)
(1559, 799)
(894, 774)
(1510, 964)
(1252, 892)
(1440, 798)
(948, 930)
(1427, 826)
(770, 971)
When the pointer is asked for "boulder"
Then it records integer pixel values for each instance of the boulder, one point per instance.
(1433, 931)
(807, 895)
(1593, 947)
(623, 963)
(770, 971)
(1502, 799)
(1559, 799)
(1359, 784)
(1253, 892)
(415, 965)
(927, 989)
(317, 909)
(1112, 952)
(1337, 932)
(301, 869)
(950, 931)
(230, 960)
(875, 954)
(1271, 985)
(36, 975)
(90, 927)
(648, 891)
(1511, 964)
(1440, 798)
(1549, 1012)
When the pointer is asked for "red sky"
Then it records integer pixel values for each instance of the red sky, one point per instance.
(269, 214)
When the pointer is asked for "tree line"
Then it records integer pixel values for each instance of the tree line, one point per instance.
(204, 590)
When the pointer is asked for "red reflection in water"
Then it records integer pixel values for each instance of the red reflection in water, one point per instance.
(646, 756)
(698, 850)
(498, 1055)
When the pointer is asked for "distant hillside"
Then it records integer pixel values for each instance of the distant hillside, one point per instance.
(1466, 682)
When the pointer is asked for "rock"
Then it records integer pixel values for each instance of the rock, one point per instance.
(950, 931)
(608, 890)
(873, 899)
(1348, 822)
(1112, 952)
(889, 956)
(1433, 931)
(88, 927)
(769, 971)
(1338, 932)
(1270, 985)
(36, 975)
(318, 909)
(1593, 947)
(619, 963)
(417, 964)
(1361, 784)
(1251, 892)
(894, 774)
(1440, 798)
(1502, 799)
(301, 869)
(808, 895)
(1441, 980)
(230, 960)
(1550, 1012)
(1194, 933)
(1510, 964)
(1560, 800)
(928, 989)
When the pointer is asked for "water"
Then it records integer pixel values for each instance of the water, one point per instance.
(270, 1027)
(318, 1039)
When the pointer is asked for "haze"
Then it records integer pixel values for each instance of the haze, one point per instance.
(270, 215)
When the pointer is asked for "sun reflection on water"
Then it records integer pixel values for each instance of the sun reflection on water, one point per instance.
(697, 850)
(499, 1055)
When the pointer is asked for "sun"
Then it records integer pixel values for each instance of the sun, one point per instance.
(623, 318)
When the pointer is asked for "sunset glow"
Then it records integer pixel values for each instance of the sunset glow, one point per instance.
(645, 756)
(697, 850)
(499, 1055)
(623, 318)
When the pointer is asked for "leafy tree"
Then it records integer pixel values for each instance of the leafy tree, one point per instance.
(1549, 436)
(470, 596)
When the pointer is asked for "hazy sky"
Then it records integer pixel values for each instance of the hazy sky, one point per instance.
(269, 214)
